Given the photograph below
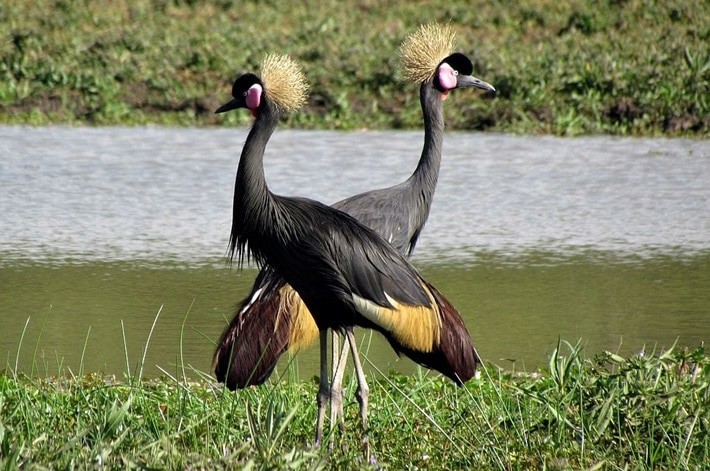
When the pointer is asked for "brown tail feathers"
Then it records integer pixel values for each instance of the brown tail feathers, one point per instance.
(453, 355)
(269, 322)
(273, 320)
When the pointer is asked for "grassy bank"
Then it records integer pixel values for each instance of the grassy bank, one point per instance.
(617, 66)
(648, 412)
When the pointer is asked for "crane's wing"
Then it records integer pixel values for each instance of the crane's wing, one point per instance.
(416, 319)
(386, 290)
(384, 212)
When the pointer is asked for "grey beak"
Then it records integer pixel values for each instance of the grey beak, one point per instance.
(466, 81)
(230, 105)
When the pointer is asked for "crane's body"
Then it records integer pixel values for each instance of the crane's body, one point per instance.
(345, 273)
(272, 319)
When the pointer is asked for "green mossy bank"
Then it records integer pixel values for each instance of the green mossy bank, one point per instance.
(615, 66)
(611, 413)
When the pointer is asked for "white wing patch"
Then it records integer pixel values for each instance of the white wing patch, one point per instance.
(369, 310)
(417, 327)
(256, 295)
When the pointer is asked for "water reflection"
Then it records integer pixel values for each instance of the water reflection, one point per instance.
(515, 310)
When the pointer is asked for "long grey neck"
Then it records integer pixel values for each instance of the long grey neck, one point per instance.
(252, 198)
(423, 180)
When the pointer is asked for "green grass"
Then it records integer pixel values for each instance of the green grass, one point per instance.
(616, 66)
(643, 412)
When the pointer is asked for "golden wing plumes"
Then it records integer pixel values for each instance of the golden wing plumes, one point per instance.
(424, 49)
(415, 327)
(284, 81)
(304, 330)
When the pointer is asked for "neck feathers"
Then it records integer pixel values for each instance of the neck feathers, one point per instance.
(425, 176)
(252, 199)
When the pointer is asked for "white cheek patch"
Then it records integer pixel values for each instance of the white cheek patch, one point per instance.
(447, 76)
(253, 98)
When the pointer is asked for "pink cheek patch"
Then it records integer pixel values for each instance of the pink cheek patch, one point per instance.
(447, 77)
(253, 98)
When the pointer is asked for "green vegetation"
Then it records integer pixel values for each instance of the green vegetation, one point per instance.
(636, 67)
(647, 412)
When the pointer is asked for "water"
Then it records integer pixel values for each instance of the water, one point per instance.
(604, 239)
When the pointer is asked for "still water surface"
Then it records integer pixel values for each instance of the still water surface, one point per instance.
(598, 238)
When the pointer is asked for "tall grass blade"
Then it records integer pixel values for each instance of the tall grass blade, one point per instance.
(39, 336)
(147, 343)
(83, 352)
(182, 336)
(125, 351)
(19, 346)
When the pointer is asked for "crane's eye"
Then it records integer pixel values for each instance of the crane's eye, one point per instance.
(246, 92)
(456, 72)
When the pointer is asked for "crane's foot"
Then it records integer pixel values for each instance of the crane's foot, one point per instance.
(367, 451)
(323, 395)
(362, 394)
(324, 390)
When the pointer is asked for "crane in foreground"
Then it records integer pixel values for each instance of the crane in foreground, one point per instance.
(344, 272)
(273, 319)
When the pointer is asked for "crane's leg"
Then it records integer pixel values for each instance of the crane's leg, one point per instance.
(324, 389)
(363, 392)
(336, 393)
(339, 360)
